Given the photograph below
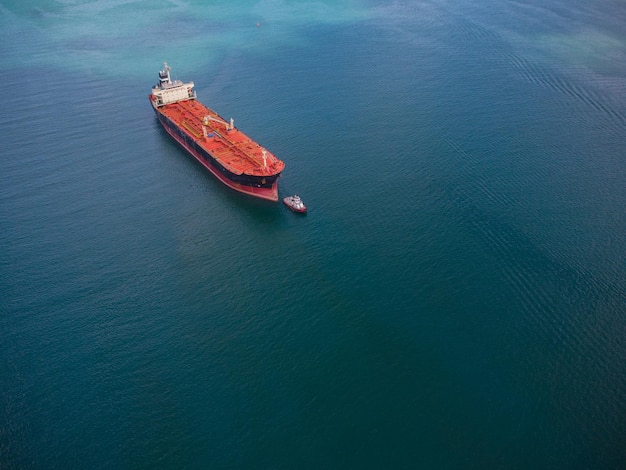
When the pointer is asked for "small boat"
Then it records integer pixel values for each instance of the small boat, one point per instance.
(295, 204)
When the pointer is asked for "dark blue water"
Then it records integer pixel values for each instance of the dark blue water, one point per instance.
(455, 298)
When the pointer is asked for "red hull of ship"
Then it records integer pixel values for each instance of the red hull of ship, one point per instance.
(270, 194)
(230, 155)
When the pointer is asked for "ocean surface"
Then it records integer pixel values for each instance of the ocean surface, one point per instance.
(455, 297)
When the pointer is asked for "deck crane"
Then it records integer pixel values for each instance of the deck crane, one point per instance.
(229, 126)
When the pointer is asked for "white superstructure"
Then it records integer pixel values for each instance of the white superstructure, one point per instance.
(170, 91)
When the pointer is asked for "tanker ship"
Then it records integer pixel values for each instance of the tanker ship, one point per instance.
(234, 158)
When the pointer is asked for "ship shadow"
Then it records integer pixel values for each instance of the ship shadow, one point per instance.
(261, 211)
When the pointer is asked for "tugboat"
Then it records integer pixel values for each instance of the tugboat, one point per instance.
(295, 204)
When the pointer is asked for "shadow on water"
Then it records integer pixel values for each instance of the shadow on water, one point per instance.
(260, 210)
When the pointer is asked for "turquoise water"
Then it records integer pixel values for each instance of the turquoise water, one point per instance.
(454, 298)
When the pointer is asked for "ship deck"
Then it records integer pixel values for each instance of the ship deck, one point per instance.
(232, 148)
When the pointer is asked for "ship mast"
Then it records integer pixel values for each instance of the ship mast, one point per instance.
(164, 75)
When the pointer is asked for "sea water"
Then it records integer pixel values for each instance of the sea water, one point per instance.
(455, 297)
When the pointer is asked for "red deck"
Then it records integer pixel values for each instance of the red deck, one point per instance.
(270, 193)
(233, 149)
